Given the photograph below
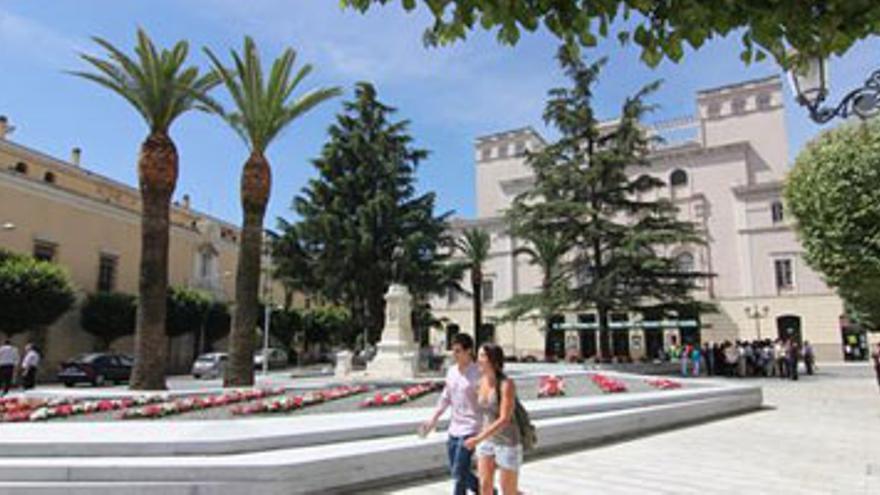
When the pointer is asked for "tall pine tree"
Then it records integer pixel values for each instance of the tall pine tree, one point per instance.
(590, 194)
(363, 225)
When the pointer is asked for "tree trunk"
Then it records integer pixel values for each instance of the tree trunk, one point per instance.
(603, 327)
(157, 173)
(255, 187)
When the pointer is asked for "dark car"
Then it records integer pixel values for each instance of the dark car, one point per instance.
(97, 368)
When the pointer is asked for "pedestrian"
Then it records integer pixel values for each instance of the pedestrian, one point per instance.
(8, 361)
(876, 357)
(684, 359)
(498, 446)
(696, 357)
(709, 357)
(809, 357)
(460, 395)
(794, 353)
(780, 350)
(30, 364)
(731, 356)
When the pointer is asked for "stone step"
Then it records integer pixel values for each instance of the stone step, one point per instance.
(332, 468)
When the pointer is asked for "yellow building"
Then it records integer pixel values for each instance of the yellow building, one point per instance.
(57, 210)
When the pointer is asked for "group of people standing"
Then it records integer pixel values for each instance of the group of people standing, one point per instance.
(482, 400)
(744, 358)
(12, 361)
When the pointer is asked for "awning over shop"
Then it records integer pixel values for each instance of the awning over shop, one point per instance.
(625, 325)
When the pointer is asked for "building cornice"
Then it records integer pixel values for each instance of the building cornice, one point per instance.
(510, 134)
(758, 189)
(70, 169)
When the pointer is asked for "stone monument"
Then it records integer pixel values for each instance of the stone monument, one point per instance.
(396, 354)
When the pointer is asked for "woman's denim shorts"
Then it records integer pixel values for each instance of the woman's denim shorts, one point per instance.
(509, 457)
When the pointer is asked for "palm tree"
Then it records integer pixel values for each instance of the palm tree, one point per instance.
(547, 251)
(474, 245)
(161, 89)
(263, 108)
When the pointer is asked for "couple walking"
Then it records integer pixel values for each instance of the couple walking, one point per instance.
(482, 400)
(9, 361)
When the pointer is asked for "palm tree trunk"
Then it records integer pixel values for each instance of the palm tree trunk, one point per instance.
(477, 288)
(157, 172)
(255, 186)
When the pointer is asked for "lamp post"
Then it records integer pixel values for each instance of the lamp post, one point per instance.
(268, 302)
(757, 314)
(809, 81)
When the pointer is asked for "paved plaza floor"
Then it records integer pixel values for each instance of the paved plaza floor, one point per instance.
(820, 435)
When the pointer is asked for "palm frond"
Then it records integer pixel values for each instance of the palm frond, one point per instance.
(264, 103)
(156, 82)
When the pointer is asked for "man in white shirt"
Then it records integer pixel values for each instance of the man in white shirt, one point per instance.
(8, 360)
(460, 394)
(29, 365)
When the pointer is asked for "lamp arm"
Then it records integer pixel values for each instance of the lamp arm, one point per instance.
(863, 102)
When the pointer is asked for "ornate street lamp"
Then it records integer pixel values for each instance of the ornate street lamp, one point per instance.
(757, 314)
(809, 81)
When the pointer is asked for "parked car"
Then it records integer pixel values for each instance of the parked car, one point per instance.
(277, 358)
(210, 365)
(97, 368)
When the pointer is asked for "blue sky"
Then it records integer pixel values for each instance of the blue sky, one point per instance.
(451, 95)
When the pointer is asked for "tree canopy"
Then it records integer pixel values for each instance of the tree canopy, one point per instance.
(661, 29)
(363, 224)
(33, 294)
(833, 192)
(108, 316)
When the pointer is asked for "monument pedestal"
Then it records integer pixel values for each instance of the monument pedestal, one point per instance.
(397, 355)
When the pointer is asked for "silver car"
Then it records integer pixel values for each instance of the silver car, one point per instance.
(277, 358)
(210, 365)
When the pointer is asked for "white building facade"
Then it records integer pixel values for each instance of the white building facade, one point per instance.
(724, 168)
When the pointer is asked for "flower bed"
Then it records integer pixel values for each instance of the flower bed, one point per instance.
(663, 383)
(607, 384)
(22, 409)
(285, 404)
(185, 404)
(406, 394)
(551, 386)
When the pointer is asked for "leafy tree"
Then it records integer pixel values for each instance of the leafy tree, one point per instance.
(833, 192)
(284, 324)
(328, 325)
(589, 190)
(217, 324)
(33, 294)
(363, 225)
(108, 316)
(263, 108)
(160, 88)
(661, 29)
(187, 310)
(474, 245)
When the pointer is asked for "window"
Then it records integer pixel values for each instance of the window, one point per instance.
(763, 101)
(488, 291)
(678, 178)
(776, 212)
(739, 105)
(784, 274)
(451, 296)
(486, 154)
(502, 151)
(107, 273)
(21, 167)
(520, 148)
(207, 259)
(685, 262)
(49, 177)
(714, 109)
(45, 251)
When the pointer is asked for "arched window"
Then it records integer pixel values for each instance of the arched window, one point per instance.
(49, 177)
(685, 262)
(21, 167)
(777, 213)
(739, 105)
(678, 178)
